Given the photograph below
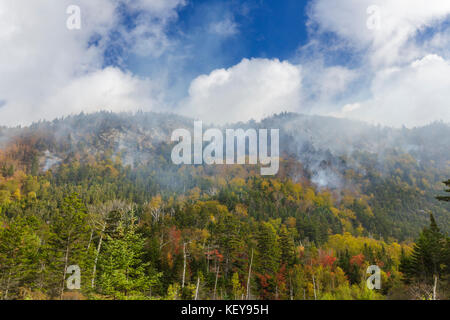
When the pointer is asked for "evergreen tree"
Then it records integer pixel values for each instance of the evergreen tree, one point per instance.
(268, 249)
(445, 198)
(268, 260)
(287, 248)
(123, 273)
(19, 254)
(69, 235)
(427, 263)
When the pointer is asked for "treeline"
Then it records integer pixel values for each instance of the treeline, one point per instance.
(232, 235)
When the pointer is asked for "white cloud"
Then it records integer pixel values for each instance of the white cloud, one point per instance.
(149, 37)
(47, 70)
(252, 89)
(225, 27)
(351, 107)
(414, 95)
(323, 85)
(107, 89)
(404, 78)
(399, 22)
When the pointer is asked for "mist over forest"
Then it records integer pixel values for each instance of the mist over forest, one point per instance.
(347, 195)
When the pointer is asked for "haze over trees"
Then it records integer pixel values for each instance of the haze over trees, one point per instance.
(99, 191)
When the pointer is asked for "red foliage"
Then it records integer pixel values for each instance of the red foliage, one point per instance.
(327, 260)
(266, 290)
(264, 280)
(175, 237)
(281, 275)
(358, 260)
(214, 254)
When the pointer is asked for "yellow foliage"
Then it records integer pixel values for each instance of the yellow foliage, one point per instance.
(238, 182)
(17, 194)
(32, 195)
(291, 222)
(264, 185)
(155, 203)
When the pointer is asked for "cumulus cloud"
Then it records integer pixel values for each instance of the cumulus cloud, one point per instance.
(252, 89)
(413, 95)
(148, 37)
(397, 74)
(403, 52)
(399, 21)
(48, 70)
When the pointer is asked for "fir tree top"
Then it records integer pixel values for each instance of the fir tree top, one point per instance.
(445, 198)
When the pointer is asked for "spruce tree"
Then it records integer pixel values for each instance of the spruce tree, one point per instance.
(19, 254)
(287, 248)
(427, 263)
(446, 253)
(445, 198)
(68, 241)
(268, 249)
(123, 274)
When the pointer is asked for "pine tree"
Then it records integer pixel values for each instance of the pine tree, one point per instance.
(287, 248)
(446, 253)
(268, 260)
(123, 274)
(19, 254)
(268, 249)
(426, 265)
(445, 198)
(68, 240)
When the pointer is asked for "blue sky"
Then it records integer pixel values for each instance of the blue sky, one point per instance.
(264, 29)
(380, 61)
(267, 29)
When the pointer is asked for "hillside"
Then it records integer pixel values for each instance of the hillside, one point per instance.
(347, 195)
(399, 171)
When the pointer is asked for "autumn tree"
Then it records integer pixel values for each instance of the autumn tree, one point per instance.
(427, 264)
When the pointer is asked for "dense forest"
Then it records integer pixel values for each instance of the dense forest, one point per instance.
(100, 191)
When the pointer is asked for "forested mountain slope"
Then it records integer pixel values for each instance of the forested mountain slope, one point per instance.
(85, 188)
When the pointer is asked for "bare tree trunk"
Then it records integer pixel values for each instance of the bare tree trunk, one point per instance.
(318, 288)
(99, 247)
(291, 291)
(435, 287)
(184, 265)
(314, 286)
(90, 239)
(207, 255)
(41, 276)
(8, 282)
(249, 277)
(215, 285)
(226, 267)
(196, 289)
(66, 260)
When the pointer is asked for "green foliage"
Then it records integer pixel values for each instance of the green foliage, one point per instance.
(123, 274)
(445, 198)
(429, 261)
(137, 225)
(19, 256)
